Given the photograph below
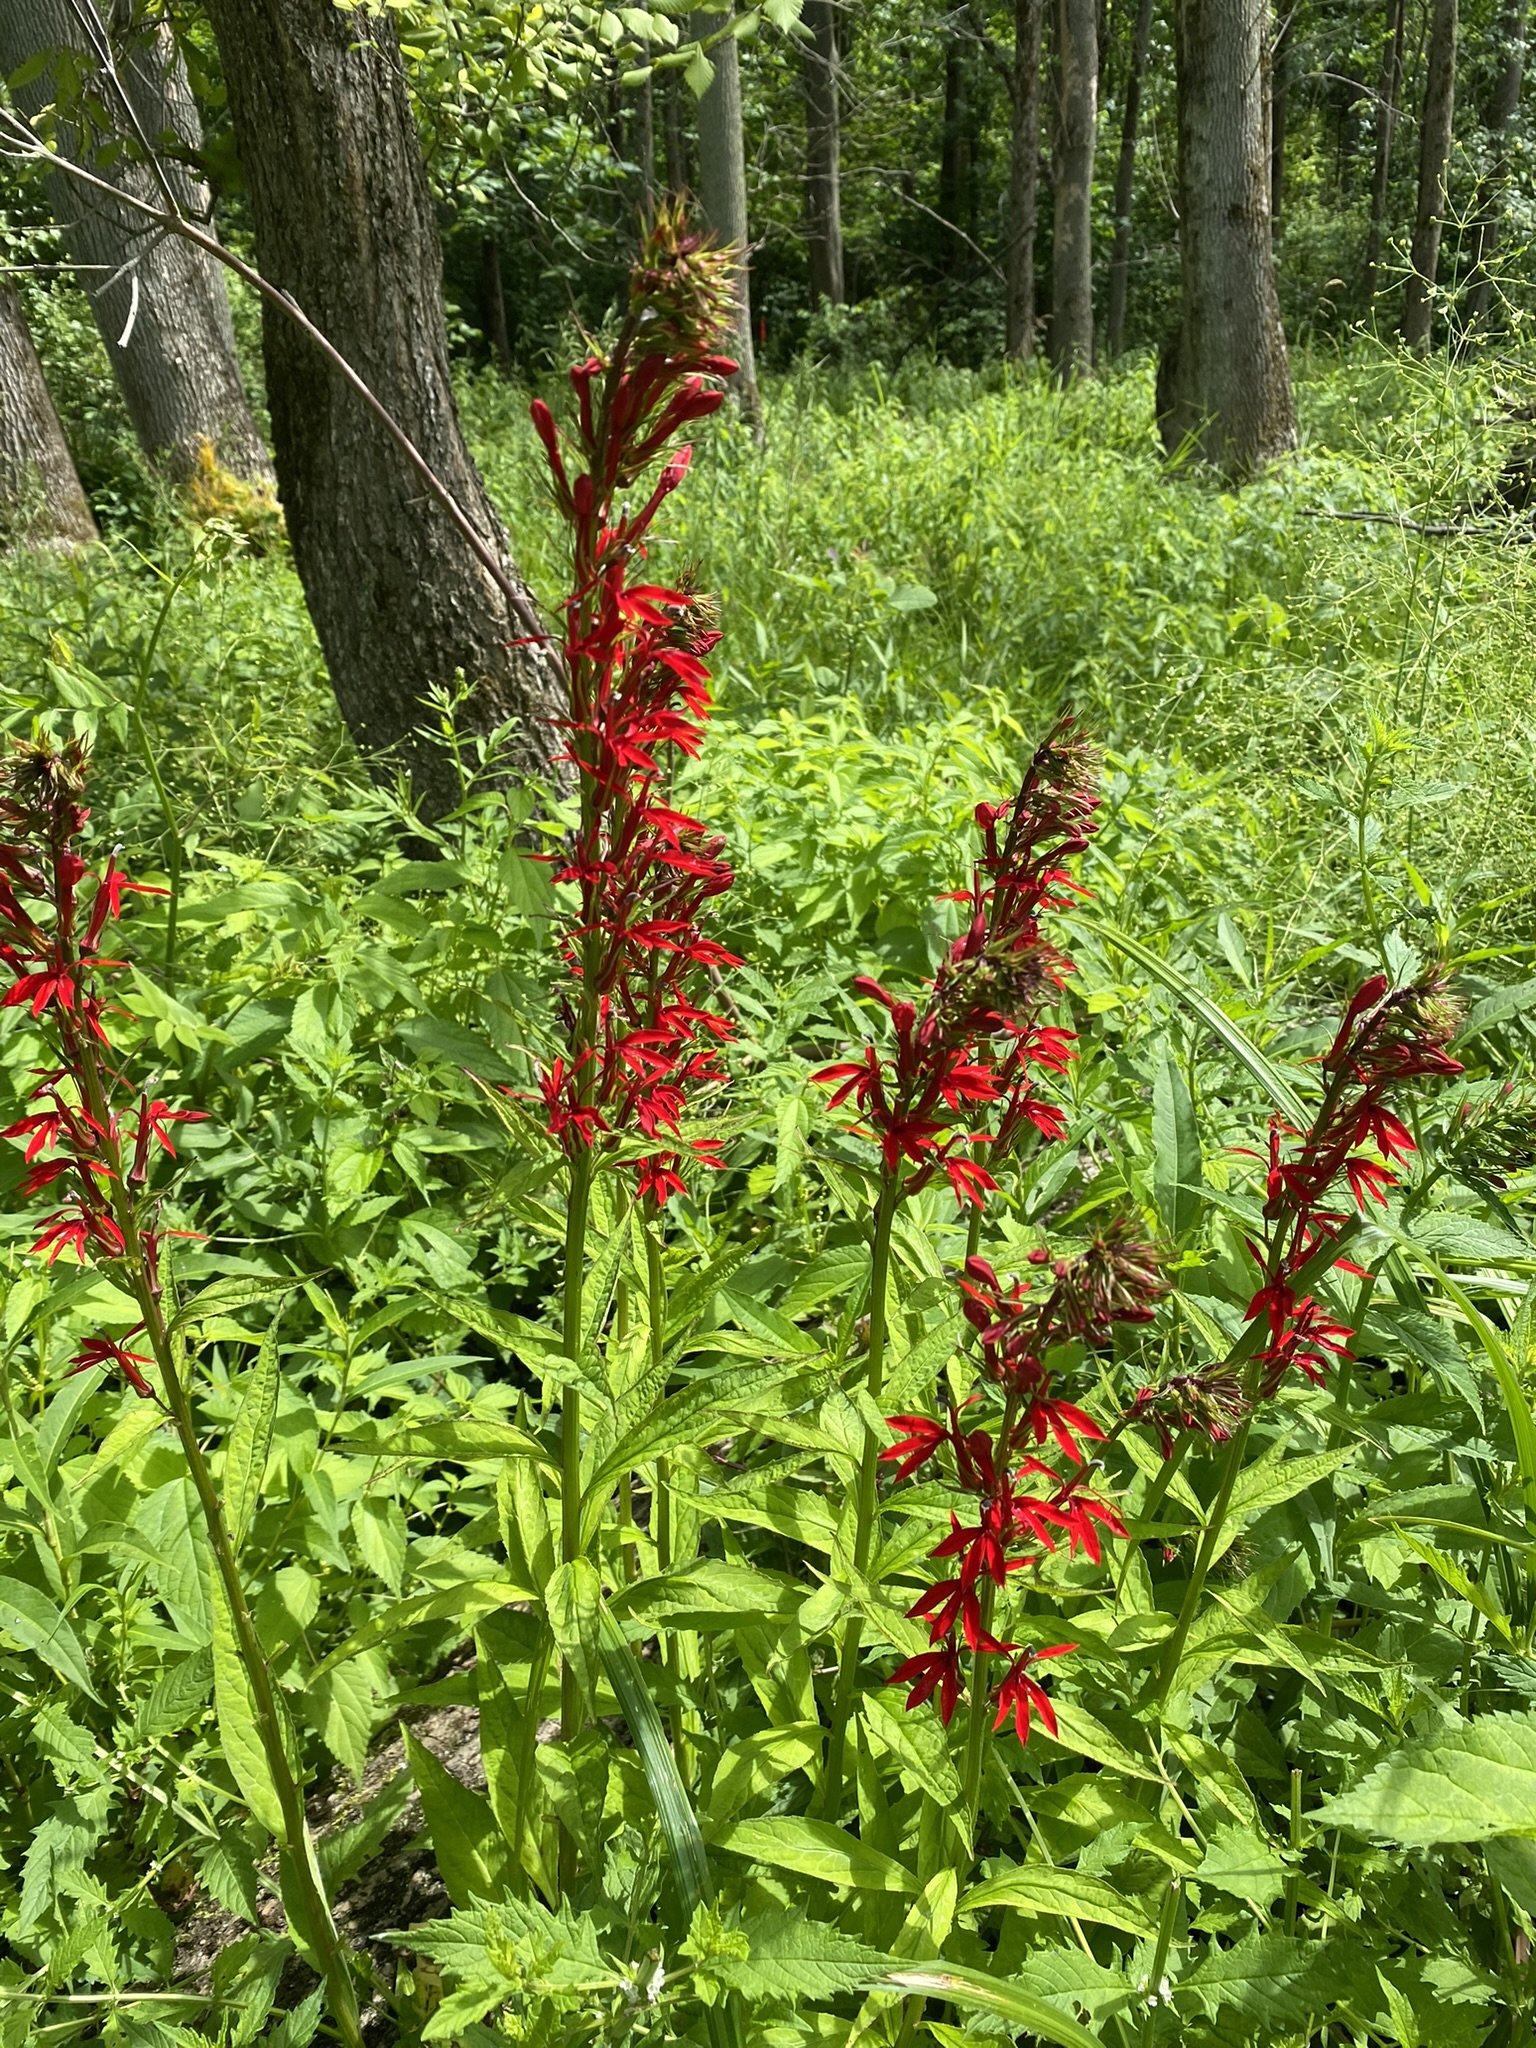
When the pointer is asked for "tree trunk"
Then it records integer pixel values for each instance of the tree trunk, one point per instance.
(674, 133)
(957, 184)
(161, 305)
(1279, 99)
(1077, 71)
(41, 502)
(493, 299)
(1434, 161)
(823, 148)
(1389, 93)
(1125, 179)
(1226, 383)
(344, 225)
(723, 196)
(1024, 177)
(645, 142)
(1503, 106)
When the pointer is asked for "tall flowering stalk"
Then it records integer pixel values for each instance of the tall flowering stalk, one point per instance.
(1319, 1184)
(92, 1138)
(1025, 1467)
(959, 1089)
(639, 1035)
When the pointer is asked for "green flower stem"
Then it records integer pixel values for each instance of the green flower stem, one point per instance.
(572, 1317)
(676, 1652)
(978, 1725)
(846, 1691)
(298, 1855)
(1205, 1557)
(1160, 1959)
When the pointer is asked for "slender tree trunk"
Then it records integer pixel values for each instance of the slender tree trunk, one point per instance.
(160, 304)
(494, 303)
(957, 150)
(675, 134)
(1125, 178)
(723, 196)
(1279, 102)
(1389, 94)
(1226, 381)
(1434, 163)
(1024, 177)
(823, 151)
(344, 224)
(645, 140)
(41, 502)
(1077, 71)
(1503, 106)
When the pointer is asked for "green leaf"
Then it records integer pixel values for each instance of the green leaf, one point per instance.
(239, 1731)
(464, 1603)
(792, 1958)
(379, 1526)
(707, 1594)
(1175, 1148)
(674, 1810)
(1237, 1042)
(699, 73)
(694, 1415)
(1272, 1978)
(245, 1455)
(573, 1600)
(815, 1848)
(1269, 1481)
(341, 1705)
(30, 1618)
(471, 1854)
(964, 1986)
(1516, 1402)
(1061, 1894)
(464, 1442)
(1468, 1782)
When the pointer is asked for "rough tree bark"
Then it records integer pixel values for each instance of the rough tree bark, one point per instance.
(723, 195)
(344, 224)
(823, 151)
(1434, 162)
(1226, 382)
(41, 502)
(1389, 93)
(1499, 120)
(161, 305)
(1125, 181)
(1077, 72)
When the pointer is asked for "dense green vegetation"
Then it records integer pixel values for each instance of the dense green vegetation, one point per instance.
(1319, 749)
(768, 1211)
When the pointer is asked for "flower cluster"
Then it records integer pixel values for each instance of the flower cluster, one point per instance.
(638, 1039)
(91, 1137)
(1316, 1183)
(962, 1076)
(1316, 1180)
(1024, 1504)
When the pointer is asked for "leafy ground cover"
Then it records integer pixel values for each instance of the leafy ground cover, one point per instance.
(1281, 1790)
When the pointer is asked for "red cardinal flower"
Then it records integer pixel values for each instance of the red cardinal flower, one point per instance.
(634, 657)
(929, 1672)
(1020, 1694)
